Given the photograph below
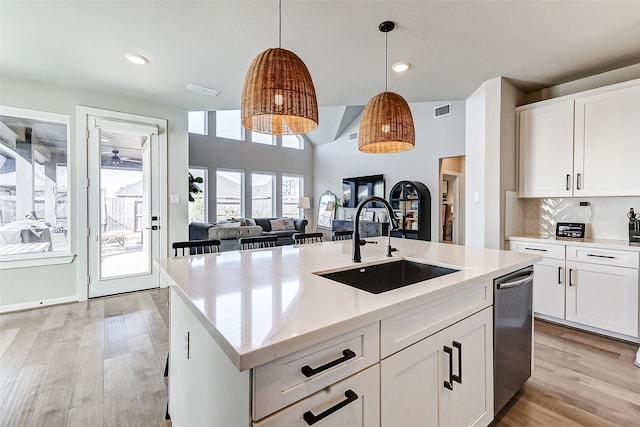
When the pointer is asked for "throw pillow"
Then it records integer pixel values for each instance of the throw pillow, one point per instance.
(251, 222)
(289, 224)
(228, 224)
(277, 225)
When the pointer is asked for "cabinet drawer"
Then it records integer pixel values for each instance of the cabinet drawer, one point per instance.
(547, 250)
(281, 382)
(353, 402)
(603, 256)
(402, 330)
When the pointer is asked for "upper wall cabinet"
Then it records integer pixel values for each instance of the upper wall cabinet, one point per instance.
(607, 144)
(546, 150)
(584, 145)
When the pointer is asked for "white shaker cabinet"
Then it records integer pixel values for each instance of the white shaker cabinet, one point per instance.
(607, 143)
(582, 145)
(546, 150)
(443, 380)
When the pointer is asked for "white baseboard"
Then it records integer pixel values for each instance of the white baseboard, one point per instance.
(36, 304)
(587, 328)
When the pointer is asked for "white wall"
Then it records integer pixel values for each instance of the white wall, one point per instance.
(220, 153)
(490, 161)
(435, 138)
(24, 287)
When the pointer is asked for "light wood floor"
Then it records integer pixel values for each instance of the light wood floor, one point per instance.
(100, 363)
(96, 363)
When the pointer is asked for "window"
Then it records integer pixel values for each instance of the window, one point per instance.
(293, 141)
(291, 193)
(198, 207)
(34, 196)
(263, 138)
(229, 185)
(228, 125)
(198, 122)
(261, 195)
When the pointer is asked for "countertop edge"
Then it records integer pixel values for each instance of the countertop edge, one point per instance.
(588, 242)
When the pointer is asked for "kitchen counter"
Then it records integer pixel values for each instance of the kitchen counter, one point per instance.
(262, 304)
(601, 243)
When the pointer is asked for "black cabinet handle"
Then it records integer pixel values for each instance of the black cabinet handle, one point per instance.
(570, 278)
(602, 256)
(568, 183)
(578, 182)
(308, 371)
(449, 384)
(536, 249)
(311, 419)
(458, 378)
(559, 275)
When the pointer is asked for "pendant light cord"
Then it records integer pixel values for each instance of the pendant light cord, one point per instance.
(386, 61)
(279, 23)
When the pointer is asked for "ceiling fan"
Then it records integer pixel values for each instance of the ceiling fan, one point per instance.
(116, 159)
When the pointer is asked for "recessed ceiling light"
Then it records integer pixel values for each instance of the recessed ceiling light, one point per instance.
(203, 90)
(137, 59)
(400, 67)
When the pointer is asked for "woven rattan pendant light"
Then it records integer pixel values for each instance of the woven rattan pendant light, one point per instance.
(278, 97)
(387, 123)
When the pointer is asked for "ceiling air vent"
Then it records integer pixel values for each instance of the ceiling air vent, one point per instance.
(442, 110)
(353, 136)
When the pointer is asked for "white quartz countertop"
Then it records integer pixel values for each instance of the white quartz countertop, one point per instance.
(262, 304)
(600, 243)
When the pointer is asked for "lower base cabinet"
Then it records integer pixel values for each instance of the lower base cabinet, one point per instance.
(603, 296)
(548, 287)
(443, 380)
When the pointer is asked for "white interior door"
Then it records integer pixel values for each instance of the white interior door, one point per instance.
(123, 198)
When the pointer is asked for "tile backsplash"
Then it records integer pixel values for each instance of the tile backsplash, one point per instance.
(606, 217)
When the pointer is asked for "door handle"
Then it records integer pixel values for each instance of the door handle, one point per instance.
(570, 277)
(578, 182)
(568, 181)
(153, 227)
(458, 378)
(311, 419)
(449, 384)
(559, 275)
(513, 284)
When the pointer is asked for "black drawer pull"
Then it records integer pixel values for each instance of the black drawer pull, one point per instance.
(458, 378)
(449, 384)
(602, 256)
(308, 371)
(536, 249)
(311, 419)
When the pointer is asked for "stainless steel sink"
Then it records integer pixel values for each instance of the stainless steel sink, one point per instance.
(380, 278)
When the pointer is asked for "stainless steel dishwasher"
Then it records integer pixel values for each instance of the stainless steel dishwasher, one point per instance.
(512, 334)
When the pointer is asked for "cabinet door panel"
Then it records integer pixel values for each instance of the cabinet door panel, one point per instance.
(548, 287)
(471, 402)
(603, 296)
(607, 146)
(410, 386)
(546, 150)
(412, 381)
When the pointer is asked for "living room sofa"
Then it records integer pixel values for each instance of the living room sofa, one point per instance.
(229, 232)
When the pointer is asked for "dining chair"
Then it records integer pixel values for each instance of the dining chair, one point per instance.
(196, 247)
(343, 235)
(303, 238)
(257, 242)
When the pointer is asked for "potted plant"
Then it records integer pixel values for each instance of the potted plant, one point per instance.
(193, 186)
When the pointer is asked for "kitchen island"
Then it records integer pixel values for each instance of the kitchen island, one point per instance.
(259, 338)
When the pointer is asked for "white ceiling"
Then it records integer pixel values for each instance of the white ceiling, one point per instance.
(454, 46)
